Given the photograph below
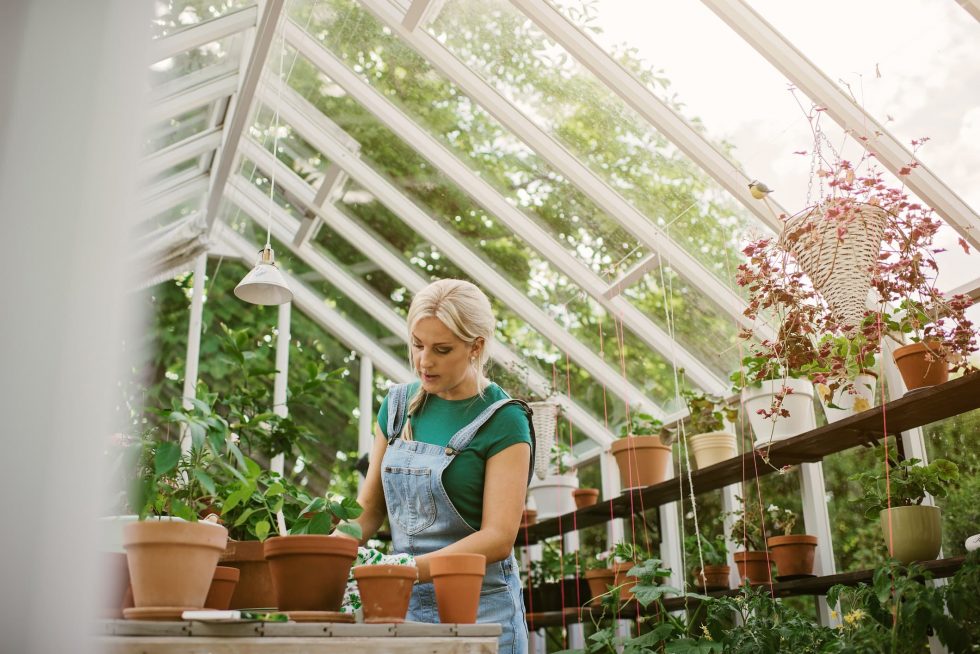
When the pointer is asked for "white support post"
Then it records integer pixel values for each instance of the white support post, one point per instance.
(194, 338)
(279, 406)
(816, 520)
(576, 632)
(671, 547)
(365, 421)
(609, 474)
(730, 504)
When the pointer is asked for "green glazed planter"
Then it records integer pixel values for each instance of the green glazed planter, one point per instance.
(916, 532)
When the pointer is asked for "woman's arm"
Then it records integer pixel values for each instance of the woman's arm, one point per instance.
(372, 497)
(504, 490)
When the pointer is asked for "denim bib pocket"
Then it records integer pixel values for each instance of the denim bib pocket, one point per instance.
(408, 495)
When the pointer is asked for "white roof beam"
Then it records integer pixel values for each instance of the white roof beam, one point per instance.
(894, 156)
(172, 155)
(264, 33)
(972, 7)
(330, 186)
(193, 187)
(481, 192)
(191, 98)
(621, 82)
(579, 174)
(970, 288)
(250, 199)
(420, 13)
(632, 276)
(315, 306)
(202, 33)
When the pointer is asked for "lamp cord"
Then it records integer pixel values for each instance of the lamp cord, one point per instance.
(275, 138)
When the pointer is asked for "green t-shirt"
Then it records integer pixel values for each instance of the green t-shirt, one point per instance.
(439, 420)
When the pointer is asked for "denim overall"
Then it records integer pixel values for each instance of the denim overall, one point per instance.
(424, 520)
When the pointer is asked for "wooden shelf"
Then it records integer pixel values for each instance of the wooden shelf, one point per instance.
(811, 586)
(914, 410)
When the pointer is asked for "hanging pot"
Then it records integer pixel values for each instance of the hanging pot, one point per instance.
(385, 591)
(254, 589)
(222, 588)
(916, 532)
(309, 571)
(793, 555)
(799, 404)
(859, 397)
(840, 264)
(552, 496)
(921, 365)
(712, 447)
(642, 461)
(585, 497)
(458, 579)
(544, 418)
(753, 566)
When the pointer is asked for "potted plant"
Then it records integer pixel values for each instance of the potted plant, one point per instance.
(552, 496)
(171, 555)
(612, 572)
(753, 561)
(710, 443)
(642, 452)
(895, 493)
(714, 574)
(585, 497)
(792, 554)
(844, 376)
(310, 566)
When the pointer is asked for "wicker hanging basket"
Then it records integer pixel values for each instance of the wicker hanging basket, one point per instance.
(839, 263)
(545, 421)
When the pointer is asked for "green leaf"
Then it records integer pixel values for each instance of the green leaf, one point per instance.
(206, 481)
(181, 510)
(320, 524)
(274, 490)
(262, 529)
(352, 529)
(246, 514)
(166, 458)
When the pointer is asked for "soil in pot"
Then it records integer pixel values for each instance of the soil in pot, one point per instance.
(222, 588)
(713, 447)
(585, 497)
(385, 591)
(309, 571)
(716, 577)
(793, 555)
(753, 566)
(642, 461)
(920, 365)
(599, 582)
(458, 579)
(171, 563)
(254, 589)
(916, 532)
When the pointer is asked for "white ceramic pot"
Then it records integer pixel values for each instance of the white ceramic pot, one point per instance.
(552, 496)
(863, 388)
(713, 447)
(799, 404)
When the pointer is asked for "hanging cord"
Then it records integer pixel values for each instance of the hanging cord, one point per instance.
(605, 420)
(571, 447)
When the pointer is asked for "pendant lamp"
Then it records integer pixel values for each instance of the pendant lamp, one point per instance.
(264, 284)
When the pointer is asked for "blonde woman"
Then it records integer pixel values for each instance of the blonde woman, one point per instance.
(452, 457)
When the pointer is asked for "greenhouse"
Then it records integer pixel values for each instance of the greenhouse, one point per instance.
(483, 326)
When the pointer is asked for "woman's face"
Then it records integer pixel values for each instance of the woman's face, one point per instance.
(442, 360)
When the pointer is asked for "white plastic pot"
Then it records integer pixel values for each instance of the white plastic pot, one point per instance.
(552, 496)
(864, 387)
(713, 447)
(799, 404)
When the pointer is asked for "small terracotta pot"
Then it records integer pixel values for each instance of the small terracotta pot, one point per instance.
(171, 563)
(222, 588)
(642, 460)
(599, 582)
(916, 532)
(309, 571)
(385, 591)
(713, 447)
(528, 518)
(753, 566)
(254, 589)
(458, 579)
(920, 365)
(624, 581)
(716, 577)
(793, 555)
(585, 497)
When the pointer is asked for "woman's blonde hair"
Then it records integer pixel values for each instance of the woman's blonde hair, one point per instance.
(466, 311)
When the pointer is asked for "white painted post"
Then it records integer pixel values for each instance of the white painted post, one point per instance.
(365, 421)
(730, 504)
(576, 632)
(194, 330)
(816, 520)
(279, 406)
(609, 475)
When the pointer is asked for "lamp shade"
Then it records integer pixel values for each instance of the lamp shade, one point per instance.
(264, 284)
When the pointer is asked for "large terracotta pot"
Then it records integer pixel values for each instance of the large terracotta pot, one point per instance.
(222, 588)
(916, 532)
(920, 365)
(716, 577)
(585, 497)
(624, 581)
(254, 589)
(753, 566)
(552, 496)
(713, 447)
(458, 579)
(799, 404)
(599, 582)
(385, 591)
(171, 563)
(309, 571)
(642, 461)
(793, 555)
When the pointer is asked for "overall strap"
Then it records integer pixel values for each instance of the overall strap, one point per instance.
(397, 409)
(463, 437)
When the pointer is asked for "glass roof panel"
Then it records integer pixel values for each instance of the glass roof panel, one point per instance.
(187, 164)
(174, 130)
(214, 56)
(171, 16)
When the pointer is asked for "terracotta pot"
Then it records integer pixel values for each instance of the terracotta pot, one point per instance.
(716, 577)
(624, 581)
(528, 518)
(713, 447)
(309, 571)
(458, 579)
(916, 532)
(115, 585)
(599, 582)
(222, 588)
(254, 589)
(920, 365)
(753, 566)
(171, 563)
(385, 591)
(642, 461)
(585, 497)
(793, 555)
